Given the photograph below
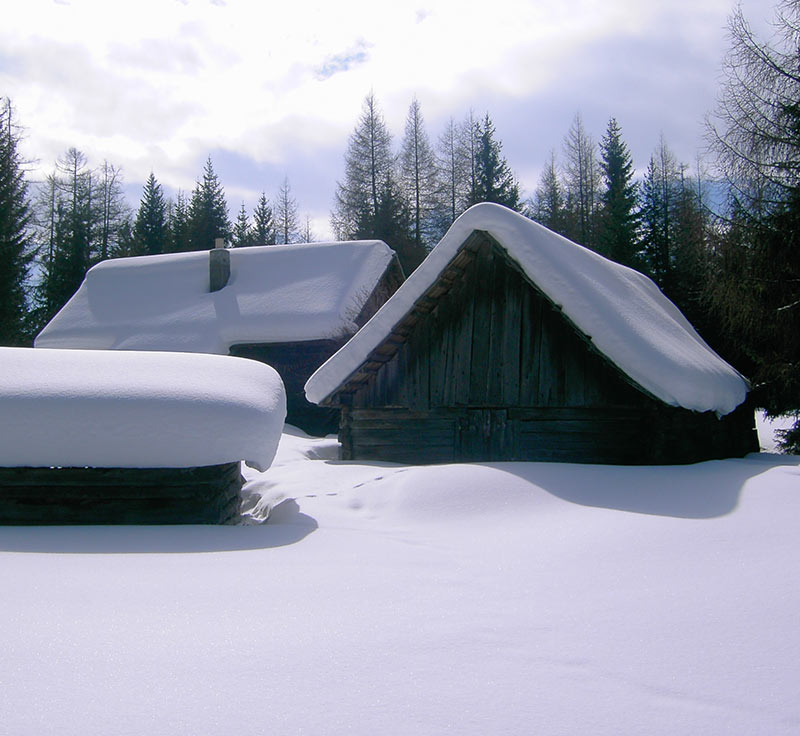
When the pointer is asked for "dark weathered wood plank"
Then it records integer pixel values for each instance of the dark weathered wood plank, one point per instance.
(206, 495)
(462, 347)
(497, 326)
(345, 434)
(499, 441)
(422, 361)
(400, 436)
(510, 351)
(441, 353)
(548, 361)
(481, 327)
(530, 348)
(575, 354)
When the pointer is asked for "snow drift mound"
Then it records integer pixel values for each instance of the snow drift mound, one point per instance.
(453, 492)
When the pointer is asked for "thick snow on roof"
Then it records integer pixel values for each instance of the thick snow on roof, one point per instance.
(86, 408)
(274, 294)
(624, 313)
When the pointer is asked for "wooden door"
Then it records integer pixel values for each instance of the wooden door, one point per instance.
(486, 434)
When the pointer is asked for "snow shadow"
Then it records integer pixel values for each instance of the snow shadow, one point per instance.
(289, 527)
(701, 491)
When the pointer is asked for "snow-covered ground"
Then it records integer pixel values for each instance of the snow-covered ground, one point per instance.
(508, 598)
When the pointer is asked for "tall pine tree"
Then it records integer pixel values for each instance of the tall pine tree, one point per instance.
(113, 211)
(617, 222)
(582, 183)
(150, 226)
(659, 197)
(263, 223)
(242, 231)
(548, 207)
(453, 163)
(392, 223)
(419, 178)
(70, 221)
(468, 142)
(16, 252)
(368, 163)
(208, 212)
(286, 214)
(494, 180)
(178, 224)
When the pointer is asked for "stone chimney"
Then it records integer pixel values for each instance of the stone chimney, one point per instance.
(219, 265)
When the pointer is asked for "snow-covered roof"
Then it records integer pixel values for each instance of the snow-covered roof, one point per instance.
(624, 313)
(110, 409)
(284, 293)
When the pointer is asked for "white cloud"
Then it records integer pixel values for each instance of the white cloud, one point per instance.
(158, 84)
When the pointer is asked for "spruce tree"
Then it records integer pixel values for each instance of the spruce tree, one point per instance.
(617, 223)
(675, 237)
(392, 223)
(126, 245)
(242, 232)
(494, 180)
(548, 206)
(659, 196)
(178, 225)
(208, 212)
(263, 223)
(150, 229)
(691, 253)
(16, 252)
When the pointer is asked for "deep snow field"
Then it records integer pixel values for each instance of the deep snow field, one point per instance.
(506, 598)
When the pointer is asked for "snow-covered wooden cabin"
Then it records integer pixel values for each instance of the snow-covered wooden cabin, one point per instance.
(513, 343)
(129, 437)
(291, 306)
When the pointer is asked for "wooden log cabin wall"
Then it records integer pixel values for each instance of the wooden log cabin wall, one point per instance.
(44, 496)
(485, 367)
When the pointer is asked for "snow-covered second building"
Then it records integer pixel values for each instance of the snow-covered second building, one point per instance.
(289, 306)
(512, 343)
(112, 437)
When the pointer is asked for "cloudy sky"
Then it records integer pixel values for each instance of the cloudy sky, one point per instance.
(272, 91)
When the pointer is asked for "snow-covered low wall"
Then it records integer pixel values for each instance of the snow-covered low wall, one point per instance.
(106, 409)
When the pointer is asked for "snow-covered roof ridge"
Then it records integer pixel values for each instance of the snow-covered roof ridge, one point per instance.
(285, 293)
(622, 311)
(131, 409)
